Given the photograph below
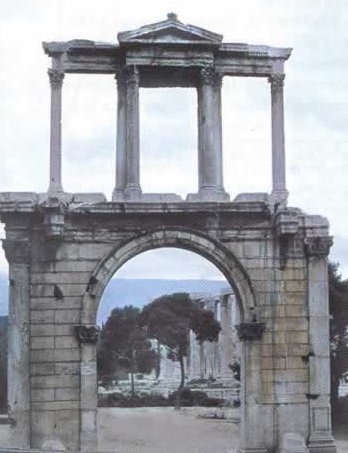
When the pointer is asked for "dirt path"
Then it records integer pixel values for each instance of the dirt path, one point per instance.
(164, 430)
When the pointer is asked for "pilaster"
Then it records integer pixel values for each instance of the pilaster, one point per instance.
(320, 439)
(18, 256)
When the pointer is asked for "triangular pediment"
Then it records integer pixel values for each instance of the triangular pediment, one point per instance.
(169, 31)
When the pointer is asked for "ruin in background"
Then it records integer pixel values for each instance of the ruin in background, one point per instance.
(63, 248)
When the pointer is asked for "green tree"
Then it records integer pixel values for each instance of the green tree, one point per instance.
(124, 345)
(169, 320)
(338, 303)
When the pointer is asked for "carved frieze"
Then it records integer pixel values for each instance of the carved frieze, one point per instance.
(250, 330)
(56, 78)
(318, 245)
(87, 334)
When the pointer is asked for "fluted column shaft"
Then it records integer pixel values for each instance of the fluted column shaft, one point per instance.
(132, 187)
(121, 148)
(278, 142)
(56, 81)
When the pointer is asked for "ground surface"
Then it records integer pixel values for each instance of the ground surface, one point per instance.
(165, 430)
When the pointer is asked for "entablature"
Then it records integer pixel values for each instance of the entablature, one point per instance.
(167, 44)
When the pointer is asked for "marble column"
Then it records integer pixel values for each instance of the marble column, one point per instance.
(18, 381)
(132, 186)
(121, 156)
(279, 192)
(56, 77)
(320, 437)
(210, 177)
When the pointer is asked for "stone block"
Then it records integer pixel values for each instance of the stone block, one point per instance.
(67, 316)
(268, 363)
(42, 317)
(67, 394)
(42, 343)
(298, 349)
(67, 368)
(67, 355)
(295, 286)
(295, 311)
(50, 303)
(297, 337)
(75, 266)
(42, 330)
(42, 303)
(55, 381)
(64, 330)
(63, 342)
(72, 277)
(290, 388)
(42, 395)
(296, 362)
(54, 405)
(296, 298)
(55, 355)
(44, 369)
(293, 443)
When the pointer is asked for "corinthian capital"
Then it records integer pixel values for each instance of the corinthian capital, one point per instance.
(131, 75)
(318, 245)
(208, 76)
(56, 78)
(276, 81)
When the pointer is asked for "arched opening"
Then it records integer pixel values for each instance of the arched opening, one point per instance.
(138, 397)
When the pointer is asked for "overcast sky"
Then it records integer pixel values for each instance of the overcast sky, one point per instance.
(316, 109)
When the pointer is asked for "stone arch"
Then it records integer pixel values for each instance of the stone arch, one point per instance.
(188, 239)
(191, 240)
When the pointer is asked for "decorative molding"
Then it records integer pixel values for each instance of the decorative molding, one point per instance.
(16, 252)
(250, 330)
(87, 334)
(277, 82)
(318, 245)
(56, 78)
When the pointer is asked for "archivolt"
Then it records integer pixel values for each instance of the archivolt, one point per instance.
(204, 245)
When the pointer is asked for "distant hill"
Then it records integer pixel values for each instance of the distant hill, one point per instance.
(136, 292)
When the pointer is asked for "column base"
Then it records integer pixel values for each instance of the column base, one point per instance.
(117, 195)
(279, 197)
(132, 193)
(208, 194)
(322, 443)
(55, 189)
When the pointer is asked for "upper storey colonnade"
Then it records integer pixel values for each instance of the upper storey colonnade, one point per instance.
(169, 54)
